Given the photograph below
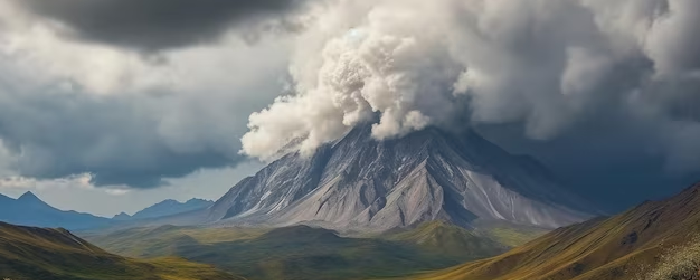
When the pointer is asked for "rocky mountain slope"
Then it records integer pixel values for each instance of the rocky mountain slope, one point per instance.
(28, 253)
(617, 248)
(29, 210)
(359, 182)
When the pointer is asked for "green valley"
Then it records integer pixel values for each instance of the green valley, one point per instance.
(302, 252)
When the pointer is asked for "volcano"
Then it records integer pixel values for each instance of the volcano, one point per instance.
(362, 183)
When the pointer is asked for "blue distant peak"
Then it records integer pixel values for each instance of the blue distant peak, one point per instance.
(29, 196)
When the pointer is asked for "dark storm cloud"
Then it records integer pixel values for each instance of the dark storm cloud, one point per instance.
(611, 160)
(132, 140)
(158, 24)
(129, 119)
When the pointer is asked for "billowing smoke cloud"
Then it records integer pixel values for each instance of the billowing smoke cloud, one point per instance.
(382, 66)
(160, 24)
(549, 66)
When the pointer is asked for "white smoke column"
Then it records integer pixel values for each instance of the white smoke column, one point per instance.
(395, 64)
(544, 63)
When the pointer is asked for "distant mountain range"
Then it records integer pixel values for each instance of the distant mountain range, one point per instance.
(655, 240)
(29, 210)
(166, 208)
(361, 183)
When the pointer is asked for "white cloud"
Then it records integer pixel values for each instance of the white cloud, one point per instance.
(81, 181)
(393, 63)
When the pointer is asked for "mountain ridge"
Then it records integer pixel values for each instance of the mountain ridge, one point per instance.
(30, 210)
(165, 208)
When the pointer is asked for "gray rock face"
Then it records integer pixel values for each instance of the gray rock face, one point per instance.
(361, 183)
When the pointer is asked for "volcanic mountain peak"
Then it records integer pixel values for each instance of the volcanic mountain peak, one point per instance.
(359, 182)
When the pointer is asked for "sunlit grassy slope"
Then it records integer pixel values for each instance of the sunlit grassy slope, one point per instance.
(600, 249)
(307, 253)
(442, 238)
(511, 235)
(55, 254)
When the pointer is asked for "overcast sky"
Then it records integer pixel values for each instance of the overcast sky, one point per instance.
(111, 105)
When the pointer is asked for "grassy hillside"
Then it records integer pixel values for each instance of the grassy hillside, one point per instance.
(166, 240)
(617, 248)
(55, 254)
(440, 237)
(511, 235)
(306, 253)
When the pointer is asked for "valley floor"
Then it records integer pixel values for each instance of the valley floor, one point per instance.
(307, 253)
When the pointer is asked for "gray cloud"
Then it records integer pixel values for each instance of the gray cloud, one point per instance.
(609, 158)
(68, 108)
(158, 24)
(119, 140)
